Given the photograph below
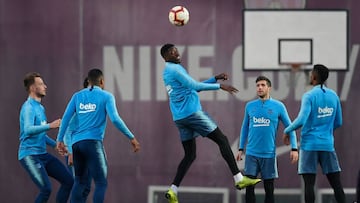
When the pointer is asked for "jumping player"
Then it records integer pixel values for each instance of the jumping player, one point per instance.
(191, 121)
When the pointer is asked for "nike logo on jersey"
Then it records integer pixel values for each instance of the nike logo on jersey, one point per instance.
(169, 89)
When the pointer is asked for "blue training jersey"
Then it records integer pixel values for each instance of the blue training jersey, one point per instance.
(260, 125)
(91, 106)
(320, 113)
(183, 90)
(33, 128)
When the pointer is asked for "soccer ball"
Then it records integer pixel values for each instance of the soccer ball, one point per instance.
(179, 15)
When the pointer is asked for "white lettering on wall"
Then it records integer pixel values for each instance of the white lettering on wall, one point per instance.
(121, 77)
(144, 73)
(119, 71)
(195, 55)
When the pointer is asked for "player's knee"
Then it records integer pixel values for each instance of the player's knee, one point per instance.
(190, 157)
(68, 183)
(46, 191)
(224, 139)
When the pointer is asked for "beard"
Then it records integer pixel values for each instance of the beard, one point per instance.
(264, 96)
(40, 95)
(174, 61)
(261, 95)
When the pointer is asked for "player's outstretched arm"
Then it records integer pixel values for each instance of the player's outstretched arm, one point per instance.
(214, 79)
(222, 76)
(228, 88)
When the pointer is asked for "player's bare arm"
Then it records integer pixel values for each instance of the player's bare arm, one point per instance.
(228, 88)
(70, 160)
(55, 124)
(294, 156)
(135, 144)
(222, 76)
(239, 155)
(61, 148)
(286, 139)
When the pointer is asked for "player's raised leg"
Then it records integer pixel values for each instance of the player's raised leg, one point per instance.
(221, 140)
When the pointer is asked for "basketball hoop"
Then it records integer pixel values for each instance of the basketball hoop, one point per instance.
(295, 68)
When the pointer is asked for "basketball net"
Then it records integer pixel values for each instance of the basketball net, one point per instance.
(293, 75)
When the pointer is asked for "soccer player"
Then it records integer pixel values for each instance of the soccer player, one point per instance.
(191, 121)
(73, 124)
(320, 113)
(38, 163)
(68, 136)
(258, 133)
(91, 107)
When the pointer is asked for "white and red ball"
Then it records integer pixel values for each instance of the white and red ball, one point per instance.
(179, 16)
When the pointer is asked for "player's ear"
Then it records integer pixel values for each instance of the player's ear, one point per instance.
(102, 83)
(167, 56)
(32, 88)
(314, 76)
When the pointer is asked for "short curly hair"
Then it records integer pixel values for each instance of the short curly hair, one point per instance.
(165, 48)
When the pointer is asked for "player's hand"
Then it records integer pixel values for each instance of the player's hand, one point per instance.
(222, 76)
(294, 156)
(239, 156)
(55, 124)
(286, 139)
(61, 148)
(135, 144)
(70, 160)
(228, 88)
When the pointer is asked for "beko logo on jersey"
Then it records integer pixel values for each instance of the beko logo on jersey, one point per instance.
(86, 108)
(261, 121)
(324, 112)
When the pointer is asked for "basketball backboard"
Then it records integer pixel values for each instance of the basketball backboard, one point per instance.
(273, 39)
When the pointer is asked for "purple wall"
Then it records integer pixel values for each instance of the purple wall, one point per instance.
(64, 39)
